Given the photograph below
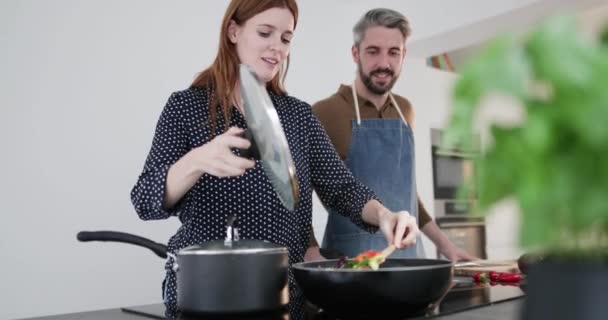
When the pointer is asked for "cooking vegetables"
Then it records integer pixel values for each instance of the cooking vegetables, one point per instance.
(370, 259)
(366, 260)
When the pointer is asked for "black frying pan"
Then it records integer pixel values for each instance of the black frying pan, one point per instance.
(400, 288)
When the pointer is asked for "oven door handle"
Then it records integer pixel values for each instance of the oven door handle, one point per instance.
(461, 224)
(448, 153)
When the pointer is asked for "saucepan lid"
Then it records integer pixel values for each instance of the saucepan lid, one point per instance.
(243, 246)
(267, 134)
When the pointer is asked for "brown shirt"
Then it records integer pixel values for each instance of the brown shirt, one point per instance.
(336, 112)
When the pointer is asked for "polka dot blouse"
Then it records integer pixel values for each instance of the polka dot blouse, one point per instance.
(203, 211)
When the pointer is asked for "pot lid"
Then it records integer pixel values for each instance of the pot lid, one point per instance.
(268, 136)
(220, 247)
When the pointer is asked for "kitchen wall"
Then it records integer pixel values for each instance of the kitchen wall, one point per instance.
(82, 85)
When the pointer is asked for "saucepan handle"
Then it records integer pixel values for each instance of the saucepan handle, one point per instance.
(113, 236)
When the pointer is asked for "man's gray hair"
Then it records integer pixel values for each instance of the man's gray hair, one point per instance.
(381, 17)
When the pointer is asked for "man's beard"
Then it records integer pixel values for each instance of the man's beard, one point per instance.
(371, 86)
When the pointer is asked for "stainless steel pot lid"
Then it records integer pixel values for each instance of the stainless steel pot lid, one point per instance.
(220, 247)
(267, 134)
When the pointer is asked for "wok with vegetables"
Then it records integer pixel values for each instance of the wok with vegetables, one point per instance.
(372, 286)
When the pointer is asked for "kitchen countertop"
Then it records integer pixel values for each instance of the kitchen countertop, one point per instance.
(507, 310)
(464, 301)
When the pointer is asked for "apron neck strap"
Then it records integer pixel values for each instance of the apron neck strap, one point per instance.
(354, 91)
(390, 95)
(393, 102)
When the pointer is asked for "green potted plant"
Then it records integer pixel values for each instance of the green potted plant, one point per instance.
(554, 163)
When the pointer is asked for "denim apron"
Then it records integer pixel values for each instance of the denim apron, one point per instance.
(381, 156)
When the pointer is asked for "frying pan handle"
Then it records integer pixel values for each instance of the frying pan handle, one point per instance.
(113, 236)
(253, 151)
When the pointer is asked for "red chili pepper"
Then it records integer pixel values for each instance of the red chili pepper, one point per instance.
(505, 276)
(481, 277)
(509, 277)
(497, 277)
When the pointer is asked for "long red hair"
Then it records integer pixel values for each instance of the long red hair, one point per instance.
(221, 76)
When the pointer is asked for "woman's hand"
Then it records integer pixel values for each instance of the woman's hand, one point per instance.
(216, 158)
(400, 229)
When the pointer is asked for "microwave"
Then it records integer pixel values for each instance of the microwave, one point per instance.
(451, 169)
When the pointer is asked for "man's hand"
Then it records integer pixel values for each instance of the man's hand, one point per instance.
(456, 254)
(444, 245)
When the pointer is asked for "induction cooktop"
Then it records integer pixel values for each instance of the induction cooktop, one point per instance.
(463, 295)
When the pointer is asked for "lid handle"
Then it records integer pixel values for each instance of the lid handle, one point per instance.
(232, 232)
(252, 152)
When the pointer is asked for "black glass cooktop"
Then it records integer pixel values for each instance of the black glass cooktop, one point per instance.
(464, 295)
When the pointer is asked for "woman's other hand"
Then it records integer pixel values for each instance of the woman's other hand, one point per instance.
(400, 229)
(216, 157)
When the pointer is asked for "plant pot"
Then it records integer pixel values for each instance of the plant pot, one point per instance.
(559, 288)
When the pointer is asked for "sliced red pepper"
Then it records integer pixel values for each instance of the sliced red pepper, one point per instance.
(366, 255)
(371, 253)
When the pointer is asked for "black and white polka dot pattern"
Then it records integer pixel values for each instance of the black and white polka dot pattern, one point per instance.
(183, 125)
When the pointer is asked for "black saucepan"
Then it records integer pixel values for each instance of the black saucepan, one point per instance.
(221, 277)
(400, 288)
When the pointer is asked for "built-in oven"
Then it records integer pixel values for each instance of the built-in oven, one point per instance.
(454, 205)
(467, 233)
(451, 169)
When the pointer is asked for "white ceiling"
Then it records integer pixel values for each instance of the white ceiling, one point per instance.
(591, 20)
(445, 25)
(440, 26)
(433, 17)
